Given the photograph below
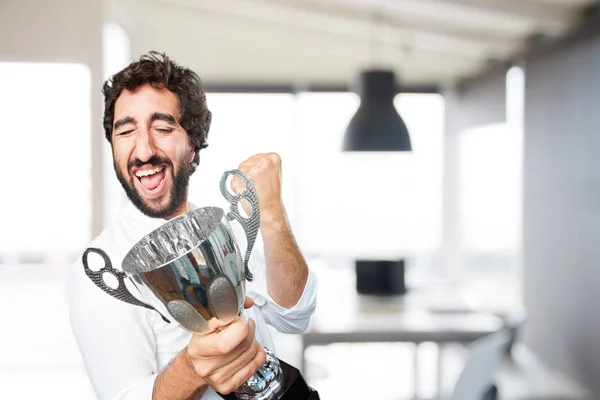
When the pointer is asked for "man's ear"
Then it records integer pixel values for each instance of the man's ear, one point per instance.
(192, 149)
(194, 159)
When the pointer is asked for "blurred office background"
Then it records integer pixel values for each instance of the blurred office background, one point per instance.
(495, 212)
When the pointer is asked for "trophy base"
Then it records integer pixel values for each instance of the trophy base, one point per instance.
(293, 387)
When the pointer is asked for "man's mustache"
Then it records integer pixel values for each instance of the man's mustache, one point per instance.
(154, 161)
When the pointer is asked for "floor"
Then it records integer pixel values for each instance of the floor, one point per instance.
(40, 359)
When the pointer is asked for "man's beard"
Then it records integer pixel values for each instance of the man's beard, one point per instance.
(177, 193)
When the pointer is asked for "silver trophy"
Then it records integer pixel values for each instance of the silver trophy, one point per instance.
(190, 270)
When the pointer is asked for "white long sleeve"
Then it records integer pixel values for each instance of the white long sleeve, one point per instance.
(115, 340)
(124, 346)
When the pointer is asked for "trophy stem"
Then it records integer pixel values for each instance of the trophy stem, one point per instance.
(285, 383)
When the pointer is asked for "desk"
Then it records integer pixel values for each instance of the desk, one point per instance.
(428, 313)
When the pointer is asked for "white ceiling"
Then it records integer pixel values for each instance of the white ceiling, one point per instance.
(300, 42)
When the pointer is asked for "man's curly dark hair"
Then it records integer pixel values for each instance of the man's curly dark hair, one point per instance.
(160, 72)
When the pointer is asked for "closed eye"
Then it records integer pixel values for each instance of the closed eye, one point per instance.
(127, 132)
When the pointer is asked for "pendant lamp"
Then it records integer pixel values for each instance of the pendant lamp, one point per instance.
(377, 126)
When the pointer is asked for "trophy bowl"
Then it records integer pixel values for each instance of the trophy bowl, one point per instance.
(191, 269)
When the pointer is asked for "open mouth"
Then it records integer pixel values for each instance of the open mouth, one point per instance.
(152, 180)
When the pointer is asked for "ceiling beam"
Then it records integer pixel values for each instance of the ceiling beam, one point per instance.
(363, 29)
(588, 28)
(552, 18)
(509, 18)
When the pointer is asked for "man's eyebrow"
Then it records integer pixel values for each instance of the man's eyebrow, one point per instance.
(124, 121)
(158, 116)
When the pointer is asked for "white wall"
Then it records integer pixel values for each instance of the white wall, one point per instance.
(561, 250)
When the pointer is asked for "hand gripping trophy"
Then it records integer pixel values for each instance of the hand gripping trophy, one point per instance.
(190, 270)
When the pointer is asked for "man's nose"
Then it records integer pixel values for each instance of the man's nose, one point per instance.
(144, 146)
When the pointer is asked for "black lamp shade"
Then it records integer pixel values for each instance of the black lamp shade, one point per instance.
(376, 126)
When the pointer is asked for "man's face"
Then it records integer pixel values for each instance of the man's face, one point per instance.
(152, 153)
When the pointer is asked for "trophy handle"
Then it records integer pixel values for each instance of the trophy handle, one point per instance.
(250, 224)
(121, 292)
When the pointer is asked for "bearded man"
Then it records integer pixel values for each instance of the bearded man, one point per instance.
(157, 121)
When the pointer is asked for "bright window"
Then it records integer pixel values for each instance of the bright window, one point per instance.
(368, 204)
(243, 125)
(45, 148)
(396, 212)
(490, 195)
